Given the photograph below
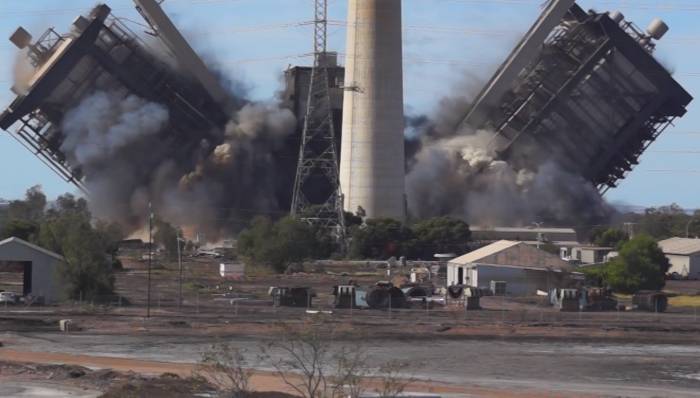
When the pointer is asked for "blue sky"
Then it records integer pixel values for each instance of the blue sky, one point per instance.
(449, 45)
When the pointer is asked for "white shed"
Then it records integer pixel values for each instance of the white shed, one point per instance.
(684, 256)
(40, 267)
(524, 268)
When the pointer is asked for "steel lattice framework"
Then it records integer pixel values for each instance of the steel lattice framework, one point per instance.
(318, 154)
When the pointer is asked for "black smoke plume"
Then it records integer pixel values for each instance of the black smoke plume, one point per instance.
(131, 155)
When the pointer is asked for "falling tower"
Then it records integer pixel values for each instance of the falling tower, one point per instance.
(372, 167)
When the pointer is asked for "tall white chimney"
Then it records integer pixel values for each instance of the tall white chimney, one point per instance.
(372, 157)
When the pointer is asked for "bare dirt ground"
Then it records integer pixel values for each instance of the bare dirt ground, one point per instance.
(513, 347)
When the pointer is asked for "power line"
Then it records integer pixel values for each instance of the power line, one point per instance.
(636, 6)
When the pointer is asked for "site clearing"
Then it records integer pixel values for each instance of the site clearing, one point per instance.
(547, 351)
(158, 139)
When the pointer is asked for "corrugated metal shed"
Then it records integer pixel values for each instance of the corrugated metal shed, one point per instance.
(40, 276)
(515, 254)
(486, 251)
(17, 241)
(680, 246)
(558, 235)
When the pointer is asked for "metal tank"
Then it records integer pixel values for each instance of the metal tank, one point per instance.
(372, 156)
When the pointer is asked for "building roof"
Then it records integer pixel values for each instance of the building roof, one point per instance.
(515, 254)
(559, 243)
(559, 236)
(15, 241)
(681, 246)
(525, 229)
(596, 248)
(486, 251)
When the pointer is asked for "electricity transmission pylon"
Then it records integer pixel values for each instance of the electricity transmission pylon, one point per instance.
(318, 155)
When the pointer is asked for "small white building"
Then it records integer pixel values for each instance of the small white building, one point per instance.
(524, 268)
(40, 268)
(585, 254)
(234, 271)
(684, 256)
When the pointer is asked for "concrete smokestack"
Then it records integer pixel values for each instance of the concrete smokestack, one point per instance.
(372, 167)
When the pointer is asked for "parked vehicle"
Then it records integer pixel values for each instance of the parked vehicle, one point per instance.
(8, 298)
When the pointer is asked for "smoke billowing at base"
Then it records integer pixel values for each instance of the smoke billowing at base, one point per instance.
(112, 115)
(117, 139)
(458, 172)
(568, 113)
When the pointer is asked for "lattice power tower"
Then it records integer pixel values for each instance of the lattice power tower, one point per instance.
(318, 154)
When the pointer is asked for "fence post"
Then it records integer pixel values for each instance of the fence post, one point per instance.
(390, 304)
(503, 308)
(352, 300)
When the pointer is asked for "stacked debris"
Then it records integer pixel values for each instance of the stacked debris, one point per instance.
(291, 296)
(597, 299)
(651, 301)
(565, 299)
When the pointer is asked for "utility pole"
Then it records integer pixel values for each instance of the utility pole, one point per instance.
(318, 154)
(538, 225)
(179, 262)
(150, 258)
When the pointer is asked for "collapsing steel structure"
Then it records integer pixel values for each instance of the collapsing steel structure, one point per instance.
(100, 53)
(583, 90)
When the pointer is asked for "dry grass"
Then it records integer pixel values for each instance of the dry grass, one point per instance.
(684, 301)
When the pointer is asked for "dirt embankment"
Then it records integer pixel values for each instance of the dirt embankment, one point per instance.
(127, 377)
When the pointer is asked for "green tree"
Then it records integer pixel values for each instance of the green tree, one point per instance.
(282, 243)
(110, 234)
(31, 208)
(440, 235)
(664, 222)
(351, 219)
(166, 236)
(381, 239)
(23, 229)
(4, 210)
(67, 230)
(641, 265)
(21, 218)
(611, 237)
(69, 203)
(252, 241)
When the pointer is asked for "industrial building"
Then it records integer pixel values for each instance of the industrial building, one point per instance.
(684, 256)
(101, 53)
(296, 90)
(582, 90)
(530, 235)
(295, 98)
(372, 167)
(40, 274)
(524, 269)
